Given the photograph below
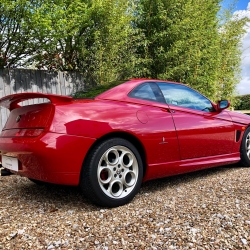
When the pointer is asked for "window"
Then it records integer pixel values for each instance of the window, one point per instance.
(180, 95)
(147, 91)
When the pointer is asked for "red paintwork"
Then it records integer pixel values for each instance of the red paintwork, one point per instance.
(52, 139)
(11, 101)
(203, 134)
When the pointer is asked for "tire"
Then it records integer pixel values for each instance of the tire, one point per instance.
(112, 173)
(245, 149)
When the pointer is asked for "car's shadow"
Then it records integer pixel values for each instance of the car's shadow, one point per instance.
(171, 181)
(67, 197)
(55, 196)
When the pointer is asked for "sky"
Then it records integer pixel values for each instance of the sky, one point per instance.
(243, 9)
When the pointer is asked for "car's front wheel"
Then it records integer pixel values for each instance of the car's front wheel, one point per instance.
(112, 173)
(245, 148)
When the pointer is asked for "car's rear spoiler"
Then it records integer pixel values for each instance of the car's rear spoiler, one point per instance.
(11, 101)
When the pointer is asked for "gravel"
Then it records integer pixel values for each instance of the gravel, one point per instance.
(208, 209)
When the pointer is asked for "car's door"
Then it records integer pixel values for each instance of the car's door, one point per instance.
(157, 129)
(201, 130)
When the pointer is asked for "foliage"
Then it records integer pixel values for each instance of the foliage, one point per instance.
(243, 102)
(184, 46)
(96, 90)
(95, 37)
(231, 30)
(16, 40)
(186, 41)
(109, 40)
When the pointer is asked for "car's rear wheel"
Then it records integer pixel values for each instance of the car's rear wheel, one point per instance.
(112, 173)
(245, 148)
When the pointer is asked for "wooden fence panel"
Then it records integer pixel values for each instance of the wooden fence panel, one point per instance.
(26, 80)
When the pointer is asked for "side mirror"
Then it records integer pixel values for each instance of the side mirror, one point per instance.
(223, 104)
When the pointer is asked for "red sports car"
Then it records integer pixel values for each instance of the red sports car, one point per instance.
(134, 132)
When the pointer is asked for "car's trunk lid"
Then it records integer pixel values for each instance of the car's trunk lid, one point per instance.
(33, 116)
(29, 120)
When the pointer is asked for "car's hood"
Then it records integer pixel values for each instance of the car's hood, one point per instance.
(239, 117)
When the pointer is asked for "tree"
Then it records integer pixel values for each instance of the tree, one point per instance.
(108, 40)
(17, 42)
(231, 30)
(243, 102)
(186, 41)
(94, 37)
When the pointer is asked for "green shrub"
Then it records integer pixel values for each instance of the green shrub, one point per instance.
(243, 102)
(94, 91)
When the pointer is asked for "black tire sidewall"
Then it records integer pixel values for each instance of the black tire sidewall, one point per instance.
(243, 155)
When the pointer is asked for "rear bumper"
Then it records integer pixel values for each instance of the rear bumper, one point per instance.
(51, 157)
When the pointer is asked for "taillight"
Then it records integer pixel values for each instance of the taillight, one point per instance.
(28, 132)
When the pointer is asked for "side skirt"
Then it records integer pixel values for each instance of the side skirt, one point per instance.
(155, 171)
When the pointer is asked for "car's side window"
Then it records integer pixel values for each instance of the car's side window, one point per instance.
(147, 91)
(180, 95)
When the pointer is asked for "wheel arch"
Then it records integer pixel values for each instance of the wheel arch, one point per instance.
(245, 160)
(124, 135)
(247, 126)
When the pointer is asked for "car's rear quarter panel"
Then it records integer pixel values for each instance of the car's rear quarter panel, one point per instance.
(152, 126)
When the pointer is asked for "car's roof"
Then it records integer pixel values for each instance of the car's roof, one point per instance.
(121, 91)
